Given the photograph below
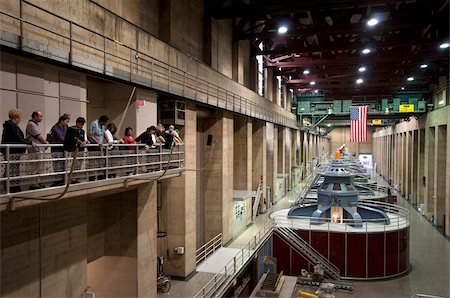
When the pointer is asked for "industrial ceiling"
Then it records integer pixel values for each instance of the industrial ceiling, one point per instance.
(343, 48)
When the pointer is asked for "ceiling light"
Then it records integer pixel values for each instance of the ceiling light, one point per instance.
(359, 81)
(444, 45)
(423, 66)
(362, 69)
(403, 88)
(366, 51)
(372, 22)
(312, 83)
(410, 79)
(282, 29)
(316, 91)
(306, 72)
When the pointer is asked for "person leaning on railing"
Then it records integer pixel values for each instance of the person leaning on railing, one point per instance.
(12, 134)
(56, 136)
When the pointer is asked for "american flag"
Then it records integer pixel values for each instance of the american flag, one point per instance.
(358, 124)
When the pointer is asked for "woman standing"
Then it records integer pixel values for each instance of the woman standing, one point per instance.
(58, 132)
(129, 139)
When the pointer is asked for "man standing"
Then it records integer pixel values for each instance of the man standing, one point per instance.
(95, 136)
(97, 131)
(33, 132)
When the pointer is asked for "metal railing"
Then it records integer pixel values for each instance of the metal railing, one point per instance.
(208, 248)
(399, 219)
(50, 169)
(217, 286)
(426, 296)
(83, 47)
(306, 249)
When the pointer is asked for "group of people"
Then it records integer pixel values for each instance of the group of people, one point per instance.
(100, 132)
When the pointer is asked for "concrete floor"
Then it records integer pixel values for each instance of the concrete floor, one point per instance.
(429, 258)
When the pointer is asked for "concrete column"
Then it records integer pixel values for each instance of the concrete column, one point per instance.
(441, 177)
(272, 158)
(430, 169)
(413, 169)
(447, 185)
(259, 157)
(218, 178)
(289, 153)
(408, 164)
(178, 197)
(421, 173)
(146, 240)
(281, 150)
(242, 153)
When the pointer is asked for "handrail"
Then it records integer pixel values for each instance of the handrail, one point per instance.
(220, 282)
(157, 74)
(425, 296)
(43, 169)
(208, 248)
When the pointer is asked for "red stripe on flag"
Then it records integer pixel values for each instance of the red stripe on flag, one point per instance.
(358, 128)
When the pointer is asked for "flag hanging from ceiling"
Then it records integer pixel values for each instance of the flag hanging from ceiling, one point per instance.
(358, 124)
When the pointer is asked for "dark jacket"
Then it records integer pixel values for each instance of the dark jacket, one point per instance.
(144, 138)
(12, 134)
(74, 136)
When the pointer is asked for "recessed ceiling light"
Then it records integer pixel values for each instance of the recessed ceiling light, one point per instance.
(359, 81)
(366, 51)
(312, 83)
(316, 91)
(362, 69)
(282, 29)
(423, 66)
(410, 79)
(403, 88)
(306, 71)
(372, 22)
(444, 45)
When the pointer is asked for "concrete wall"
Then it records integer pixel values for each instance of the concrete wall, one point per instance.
(341, 135)
(414, 155)
(32, 85)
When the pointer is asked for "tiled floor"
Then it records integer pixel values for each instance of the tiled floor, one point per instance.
(429, 258)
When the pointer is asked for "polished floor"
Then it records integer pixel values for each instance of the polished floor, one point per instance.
(429, 259)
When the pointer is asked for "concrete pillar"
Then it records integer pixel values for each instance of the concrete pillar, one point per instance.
(218, 178)
(447, 185)
(242, 153)
(413, 169)
(272, 158)
(289, 153)
(179, 209)
(281, 150)
(146, 240)
(441, 177)
(259, 157)
(421, 173)
(430, 169)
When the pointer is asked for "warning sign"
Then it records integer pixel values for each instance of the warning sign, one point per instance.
(406, 108)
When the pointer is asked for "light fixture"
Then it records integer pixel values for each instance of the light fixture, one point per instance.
(316, 91)
(359, 81)
(362, 69)
(372, 22)
(306, 71)
(445, 45)
(410, 79)
(282, 29)
(423, 66)
(403, 88)
(312, 83)
(366, 51)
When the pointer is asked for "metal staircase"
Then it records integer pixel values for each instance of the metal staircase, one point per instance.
(307, 251)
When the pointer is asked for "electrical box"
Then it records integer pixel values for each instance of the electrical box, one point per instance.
(346, 105)
(304, 107)
(384, 105)
(421, 106)
(337, 106)
(179, 250)
(396, 105)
